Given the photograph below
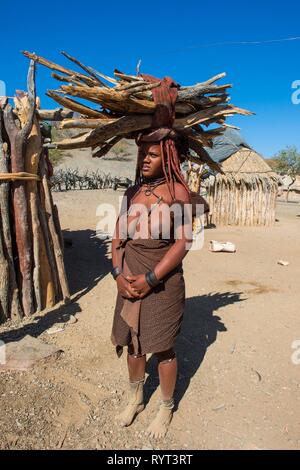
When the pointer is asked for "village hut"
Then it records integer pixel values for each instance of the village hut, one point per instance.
(246, 193)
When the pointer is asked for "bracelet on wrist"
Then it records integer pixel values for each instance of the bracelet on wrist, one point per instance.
(115, 272)
(152, 279)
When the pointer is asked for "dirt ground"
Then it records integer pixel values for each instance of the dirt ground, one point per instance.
(237, 385)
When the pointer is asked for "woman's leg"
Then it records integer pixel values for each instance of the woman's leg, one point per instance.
(167, 369)
(136, 370)
(136, 366)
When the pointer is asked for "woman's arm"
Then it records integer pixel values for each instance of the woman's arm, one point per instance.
(123, 284)
(117, 236)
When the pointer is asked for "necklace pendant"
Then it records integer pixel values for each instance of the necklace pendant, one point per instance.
(148, 192)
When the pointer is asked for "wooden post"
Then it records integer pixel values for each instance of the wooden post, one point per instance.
(14, 307)
(54, 235)
(18, 139)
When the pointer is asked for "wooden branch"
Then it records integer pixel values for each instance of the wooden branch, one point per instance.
(74, 105)
(13, 309)
(129, 124)
(207, 101)
(42, 278)
(84, 67)
(127, 78)
(4, 266)
(84, 123)
(51, 65)
(49, 275)
(4, 282)
(129, 104)
(214, 111)
(54, 235)
(54, 114)
(190, 93)
(17, 141)
(122, 126)
(106, 148)
(65, 78)
(111, 99)
(203, 156)
(141, 88)
(119, 102)
(130, 85)
(106, 77)
(207, 82)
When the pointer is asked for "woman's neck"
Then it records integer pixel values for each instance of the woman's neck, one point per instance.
(153, 179)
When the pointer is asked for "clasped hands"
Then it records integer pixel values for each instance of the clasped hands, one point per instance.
(133, 287)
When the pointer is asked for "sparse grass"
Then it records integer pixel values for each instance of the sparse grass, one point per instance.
(119, 152)
(56, 156)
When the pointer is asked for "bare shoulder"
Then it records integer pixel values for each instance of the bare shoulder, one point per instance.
(181, 193)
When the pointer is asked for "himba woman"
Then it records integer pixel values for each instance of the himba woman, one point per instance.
(148, 270)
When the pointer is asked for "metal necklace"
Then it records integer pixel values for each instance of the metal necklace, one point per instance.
(152, 183)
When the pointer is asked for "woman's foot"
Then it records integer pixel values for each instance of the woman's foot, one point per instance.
(160, 425)
(127, 416)
(135, 405)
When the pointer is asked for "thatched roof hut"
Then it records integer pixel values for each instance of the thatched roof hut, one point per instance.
(246, 194)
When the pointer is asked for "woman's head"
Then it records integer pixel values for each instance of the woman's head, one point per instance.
(161, 157)
(150, 162)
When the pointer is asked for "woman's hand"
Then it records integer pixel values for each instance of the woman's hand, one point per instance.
(139, 285)
(125, 289)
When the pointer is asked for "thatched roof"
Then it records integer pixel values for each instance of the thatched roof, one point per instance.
(247, 161)
(239, 161)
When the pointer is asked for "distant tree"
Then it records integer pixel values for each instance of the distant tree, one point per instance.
(287, 162)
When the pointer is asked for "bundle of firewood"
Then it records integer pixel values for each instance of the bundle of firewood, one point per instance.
(123, 104)
(32, 273)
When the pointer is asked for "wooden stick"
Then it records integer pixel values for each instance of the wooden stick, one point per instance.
(4, 266)
(127, 78)
(54, 236)
(17, 141)
(84, 67)
(64, 78)
(58, 227)
(85, 123)
(51, 65)
(122, 126)
(107, 147)
(14, 307)
(32, 154)
(49, 275)
(74, 105)
(57, 114)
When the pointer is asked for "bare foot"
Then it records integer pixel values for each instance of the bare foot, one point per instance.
(127, 416)
(159, 426)
(135, 405)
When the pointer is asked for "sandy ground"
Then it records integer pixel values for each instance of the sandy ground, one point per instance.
(237, 385)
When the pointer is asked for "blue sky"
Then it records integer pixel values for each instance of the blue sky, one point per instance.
(172, 38)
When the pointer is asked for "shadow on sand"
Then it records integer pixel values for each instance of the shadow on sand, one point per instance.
(86, 263)
(199, 330)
